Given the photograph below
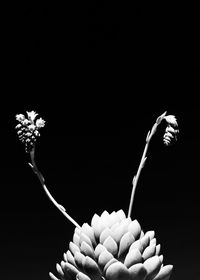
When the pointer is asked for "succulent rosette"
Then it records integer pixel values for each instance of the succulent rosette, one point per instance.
(113, 247)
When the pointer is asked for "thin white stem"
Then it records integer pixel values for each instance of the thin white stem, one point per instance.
(42, 181)
(143, 160)
(136, 177)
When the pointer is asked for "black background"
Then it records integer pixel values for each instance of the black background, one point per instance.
(99, 74)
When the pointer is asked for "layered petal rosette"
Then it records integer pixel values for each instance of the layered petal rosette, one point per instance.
(113, 247)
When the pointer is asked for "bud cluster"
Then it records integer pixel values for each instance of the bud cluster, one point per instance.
(28, 129)
(171, 131)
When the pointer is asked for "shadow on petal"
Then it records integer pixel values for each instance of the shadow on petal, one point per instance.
(164, 273)
(117, 271)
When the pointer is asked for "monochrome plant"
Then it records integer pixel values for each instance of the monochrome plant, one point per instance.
(112, 246)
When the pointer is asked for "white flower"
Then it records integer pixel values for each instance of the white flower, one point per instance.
(32, 115)
(20, 117)
(36, 133)
(31, 127)
(171, 119)
(40, 123)
(18, 126)
(25, 122)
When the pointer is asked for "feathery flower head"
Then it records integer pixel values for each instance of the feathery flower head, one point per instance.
(28, 129)
(113, 247)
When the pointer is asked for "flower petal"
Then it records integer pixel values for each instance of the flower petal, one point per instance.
(84, 237)
(151, 234)
(114, 218)
(70, 258)
(104, 258)
(79, 259)
(137, 272)
(98, 250)
(73, 248)
(69, 270)
(82, 276)
(137, 245)
(76, 238)
(121, 229)
(133, 257)
(65, 257)
(153, 241)
(105, 217)
(111, 245)
(152, 265)
(161, 258)
(91, 268)
(134, 228)
(53, 277)
(149, 252)
(117, 271)
(105, 233)
(113, 260)
(121, 214)
(125, 242)
(89, 231)
(145, 240)
(158, 247)
(59, 269)
(97, 225)
(164, 273)
(87, 250)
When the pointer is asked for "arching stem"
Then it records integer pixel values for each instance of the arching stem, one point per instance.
(143, 160)
(42, 181)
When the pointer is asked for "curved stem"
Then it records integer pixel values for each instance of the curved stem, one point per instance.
(143, 160)
(42, 181)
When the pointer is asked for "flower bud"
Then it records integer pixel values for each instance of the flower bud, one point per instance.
(171, 120)
(31, 115)
(171, 131)
(40, 123)
(28, 129)
(20, 117)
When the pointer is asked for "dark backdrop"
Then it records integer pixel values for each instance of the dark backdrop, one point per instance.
(99, 74)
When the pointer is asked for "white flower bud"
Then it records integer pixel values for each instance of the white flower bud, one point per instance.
(25, 122)
(28, 129)
(40, 123)
(171, 131)
(171, 119)
(18, 126)
(36, 133)
(28, 134)
(31, 127)
(32, 115)
(170, 135)
(20, 117)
